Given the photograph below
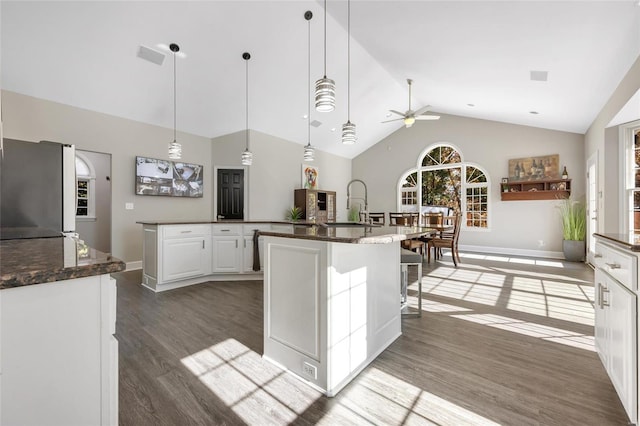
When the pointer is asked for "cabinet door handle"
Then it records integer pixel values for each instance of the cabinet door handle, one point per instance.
(603, 301)
(203, 244)
(613, 265)
(225, 230)
(599, 296)
(236, 243)
(185, 232)
(245, 243)
(597, 255)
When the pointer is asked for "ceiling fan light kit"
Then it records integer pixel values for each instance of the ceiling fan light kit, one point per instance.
(175, 149)
(325, 87)
(247, 156)
(409, 117)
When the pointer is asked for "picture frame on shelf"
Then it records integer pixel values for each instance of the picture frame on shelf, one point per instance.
(505, 180)
(310, 176)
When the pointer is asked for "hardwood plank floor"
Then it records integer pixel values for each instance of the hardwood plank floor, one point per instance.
(502, 340)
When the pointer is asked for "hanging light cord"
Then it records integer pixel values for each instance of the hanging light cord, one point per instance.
(309, 85)
(325, 38)
(247, 102)
(174, 96)
(348, 60)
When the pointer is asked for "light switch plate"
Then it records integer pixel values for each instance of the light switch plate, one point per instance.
(128, 206)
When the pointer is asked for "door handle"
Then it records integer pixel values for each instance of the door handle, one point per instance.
(599, 296)
(603, 301)
(597, 255)
(613, 265)
(202, 244)
(236, 243)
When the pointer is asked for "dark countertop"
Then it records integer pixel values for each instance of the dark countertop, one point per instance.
(42, 260)
(238, 221)
(353, 235)
(629, 241)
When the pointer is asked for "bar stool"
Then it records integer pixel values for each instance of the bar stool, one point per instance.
(410, 258)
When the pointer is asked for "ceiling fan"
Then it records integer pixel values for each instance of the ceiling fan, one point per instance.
(409, 117)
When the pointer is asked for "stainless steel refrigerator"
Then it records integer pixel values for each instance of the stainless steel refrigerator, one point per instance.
(37, 189)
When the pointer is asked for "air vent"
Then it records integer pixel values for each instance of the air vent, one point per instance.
(315, 123)
(151, 55)
(539, 75)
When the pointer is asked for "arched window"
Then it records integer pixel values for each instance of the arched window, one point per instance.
(85, 192)
(442, 179)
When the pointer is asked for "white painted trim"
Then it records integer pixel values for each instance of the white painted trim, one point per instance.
(513, 251)
(132, 266)
(258, 276)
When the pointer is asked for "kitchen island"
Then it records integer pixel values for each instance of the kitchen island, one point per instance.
(58, 355)
(332, 299)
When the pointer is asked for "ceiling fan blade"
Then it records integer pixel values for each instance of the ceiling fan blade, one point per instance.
(422, 110)
(396, 112)
(395, 119)
(427, 117)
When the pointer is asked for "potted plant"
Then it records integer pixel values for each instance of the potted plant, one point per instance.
(293, 214)
(574, 229)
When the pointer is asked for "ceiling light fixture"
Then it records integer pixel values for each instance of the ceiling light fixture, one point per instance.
(175, 149)
(325, 87)
(348, 128)
(309, 151)
(247, 156)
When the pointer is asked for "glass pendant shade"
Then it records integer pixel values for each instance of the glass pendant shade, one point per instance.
(247, 158)
(309, 153)
(348, 133)
(175, 150)
(325, 95)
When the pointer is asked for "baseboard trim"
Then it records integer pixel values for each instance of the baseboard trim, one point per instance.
(513, 251)
(132, 266)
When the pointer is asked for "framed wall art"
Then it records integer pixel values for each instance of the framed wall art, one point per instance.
(168, 178)
(309, 177)
(535, 168)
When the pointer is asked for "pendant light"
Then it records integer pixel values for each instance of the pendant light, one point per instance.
(309, 151)
(247, 156)
(348, 128)
(325, 87)
(175, 149)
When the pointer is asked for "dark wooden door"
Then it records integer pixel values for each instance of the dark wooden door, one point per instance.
(230, 194)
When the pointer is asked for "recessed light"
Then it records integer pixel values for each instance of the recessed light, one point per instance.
(388, 115)
(534, 112)
(304, 117)
(333, 129)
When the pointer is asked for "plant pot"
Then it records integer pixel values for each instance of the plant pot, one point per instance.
(574, 251)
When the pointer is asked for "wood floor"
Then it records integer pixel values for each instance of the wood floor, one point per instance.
(505, 341)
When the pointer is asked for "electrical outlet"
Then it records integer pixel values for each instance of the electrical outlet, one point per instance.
(309, 370)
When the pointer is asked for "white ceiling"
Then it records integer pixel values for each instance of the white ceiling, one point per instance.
(458, 53)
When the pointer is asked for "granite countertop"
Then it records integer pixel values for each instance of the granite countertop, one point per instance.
(354, 235)
(239, 221)
(42, 260)
(629, 241)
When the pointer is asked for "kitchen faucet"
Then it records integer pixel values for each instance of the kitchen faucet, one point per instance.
(366, 204)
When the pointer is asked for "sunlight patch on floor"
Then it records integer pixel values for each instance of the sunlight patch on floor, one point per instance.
(256, 390)
(520, 260)
(551, 334)
(381, 398)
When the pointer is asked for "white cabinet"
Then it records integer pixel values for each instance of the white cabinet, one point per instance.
(227, 251)
(185, 258)
(616, 322)
(59, 358)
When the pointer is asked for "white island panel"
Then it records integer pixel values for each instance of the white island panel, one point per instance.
(342, 297)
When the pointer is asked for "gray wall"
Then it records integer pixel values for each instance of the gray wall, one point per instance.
(606, 148)
(97, 232)
(525, 227)
(35, 119)
(277, 170)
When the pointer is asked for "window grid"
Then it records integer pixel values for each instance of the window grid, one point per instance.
(476, 208)
(82, 208)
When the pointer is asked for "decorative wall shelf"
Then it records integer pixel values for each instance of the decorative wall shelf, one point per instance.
(547, 189)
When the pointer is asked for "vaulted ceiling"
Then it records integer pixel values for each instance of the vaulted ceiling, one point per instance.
(459, 54)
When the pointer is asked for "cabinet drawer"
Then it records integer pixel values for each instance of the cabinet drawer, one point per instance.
(620, 265)
(227, 229)
(249, 228)
(173, 231)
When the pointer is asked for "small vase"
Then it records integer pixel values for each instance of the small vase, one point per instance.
(574, 251)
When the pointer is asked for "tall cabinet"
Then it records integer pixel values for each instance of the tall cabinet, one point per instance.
(316, 205)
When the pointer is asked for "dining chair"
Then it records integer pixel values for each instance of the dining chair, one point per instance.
(433, 219)
(446, 240)
(377, 218)
(398, 219)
